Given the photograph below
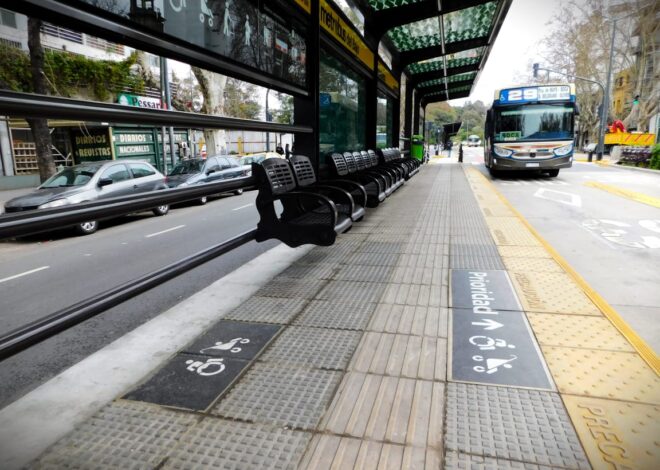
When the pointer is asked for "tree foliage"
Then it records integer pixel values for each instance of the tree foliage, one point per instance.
(241, 100)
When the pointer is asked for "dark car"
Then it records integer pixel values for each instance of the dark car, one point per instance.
(90, 182)
(209, 170)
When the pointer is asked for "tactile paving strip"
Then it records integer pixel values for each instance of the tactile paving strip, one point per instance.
(535, 265)
(414, 294)
(380, 247)
(410, 320)
(523, 252)
(617, 434)
(336, 314)
(398, 410)
(511, 423)
(438, 249)
(317, 256)
(577, 331)
(310, 271)
(475, 262)
(511, 231)
(418, 357)
(124, 434)
(314, 347)
(337, 453)
(427, 276)
(605, 374)
(267, 310)
(374, 259)
(552, 292)
(461, 461)
(221, 444)
(282, 395)
(353, 291)
(482, 251)
(363, 273)
(291, 288)
(423, 260)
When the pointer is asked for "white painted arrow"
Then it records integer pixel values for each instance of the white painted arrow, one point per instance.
(488, 324)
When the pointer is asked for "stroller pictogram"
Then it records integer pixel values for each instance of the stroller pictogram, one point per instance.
(493, 365)
(486, 343)
(228, 346)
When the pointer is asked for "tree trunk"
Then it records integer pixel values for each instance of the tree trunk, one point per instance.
(212, 86)
(39, 126)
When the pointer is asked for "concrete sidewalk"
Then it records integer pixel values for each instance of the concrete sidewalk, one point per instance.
(440, 332)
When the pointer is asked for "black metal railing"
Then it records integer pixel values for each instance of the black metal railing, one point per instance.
(39, 330)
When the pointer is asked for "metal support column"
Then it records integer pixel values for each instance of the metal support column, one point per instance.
(408, 112)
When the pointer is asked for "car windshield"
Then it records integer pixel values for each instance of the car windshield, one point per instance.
(535, 122)
(187, 167)
(74, 176)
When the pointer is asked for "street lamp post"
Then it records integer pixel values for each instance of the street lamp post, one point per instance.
(267, 119)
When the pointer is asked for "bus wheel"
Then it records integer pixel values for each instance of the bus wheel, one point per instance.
(553, 173)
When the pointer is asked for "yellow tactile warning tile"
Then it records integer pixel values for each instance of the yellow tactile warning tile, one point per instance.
(327, 452)
(392, 409)
(615, 434)
(632, 195)
(551, 293)
(510, 231)
(535, 265)
(603, 374)
(492, 210)
(523, 252)
(577, 331)
(410, 320)
(418, 357)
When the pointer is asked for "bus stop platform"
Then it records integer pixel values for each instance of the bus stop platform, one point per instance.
(440, 332)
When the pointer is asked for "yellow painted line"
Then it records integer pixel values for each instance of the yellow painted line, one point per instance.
(602, 163)
(643, 349)
(632, 195)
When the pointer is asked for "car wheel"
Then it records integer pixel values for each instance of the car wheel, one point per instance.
(238, 192)
(202, 200)
(87, 228)
(493, 172)
(161, 210)
(553, 172)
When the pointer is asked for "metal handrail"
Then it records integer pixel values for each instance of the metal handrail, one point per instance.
(44, 106)
(44, 328)
(30, 222)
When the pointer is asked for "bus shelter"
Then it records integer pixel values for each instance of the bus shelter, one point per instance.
(360, 72)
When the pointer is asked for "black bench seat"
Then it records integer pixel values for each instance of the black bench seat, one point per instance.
(306, 217)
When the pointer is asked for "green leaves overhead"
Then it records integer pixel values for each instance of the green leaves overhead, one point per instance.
(385, 4)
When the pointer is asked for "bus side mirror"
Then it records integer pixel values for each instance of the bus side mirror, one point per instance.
(577, 109)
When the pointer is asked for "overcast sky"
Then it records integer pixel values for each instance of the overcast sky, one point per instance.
(516, 44)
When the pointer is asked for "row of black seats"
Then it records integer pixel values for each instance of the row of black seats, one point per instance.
(316, 212)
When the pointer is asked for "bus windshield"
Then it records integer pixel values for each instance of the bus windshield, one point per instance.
(533, 122)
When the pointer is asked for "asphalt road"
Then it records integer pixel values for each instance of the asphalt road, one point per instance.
(45, 273)
(613, 242)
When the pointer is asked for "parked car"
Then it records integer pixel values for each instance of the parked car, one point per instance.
(209, 170)
(248, 160)
(89, 182)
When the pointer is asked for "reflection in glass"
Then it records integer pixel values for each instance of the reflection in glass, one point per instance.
(534, 122)
(342, 108)
(384, 118)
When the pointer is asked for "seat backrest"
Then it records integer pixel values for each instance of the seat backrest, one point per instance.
(397, 153)
(339, 164)
(373, 157)
(359, 162)
(366, 159)
(303, 171)
(350, 162)
(275, 176)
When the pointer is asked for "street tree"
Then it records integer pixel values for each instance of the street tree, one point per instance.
(212, 86)
(39, 126)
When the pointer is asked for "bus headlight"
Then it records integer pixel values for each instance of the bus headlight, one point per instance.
(563, 150)
(501, 151)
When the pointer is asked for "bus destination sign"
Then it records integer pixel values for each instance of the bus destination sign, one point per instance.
(533, 94)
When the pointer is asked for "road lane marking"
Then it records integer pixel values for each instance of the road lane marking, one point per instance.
(23, 274)
(632, 195)
(243, 207)
(164, 231)
(559, 196)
